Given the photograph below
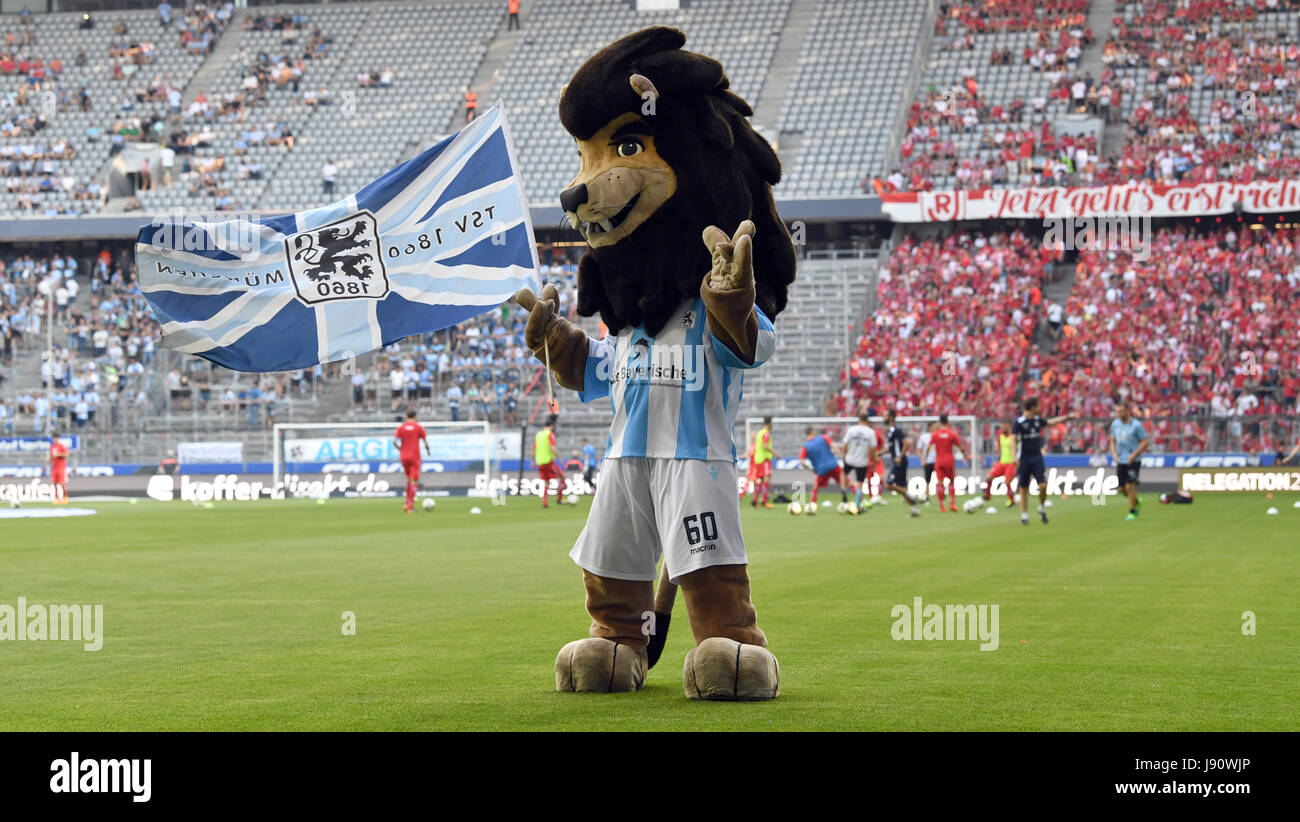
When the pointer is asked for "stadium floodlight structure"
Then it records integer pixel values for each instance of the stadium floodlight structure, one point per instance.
(788, 436)
(296, 445)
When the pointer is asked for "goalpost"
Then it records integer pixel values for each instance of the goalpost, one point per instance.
(306, 447)
(788, 436)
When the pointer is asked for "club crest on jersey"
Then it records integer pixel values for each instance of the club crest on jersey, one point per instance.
(688, 319)
(339, 261)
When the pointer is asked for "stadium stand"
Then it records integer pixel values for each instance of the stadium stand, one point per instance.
(1209, 90)
(999, 76)
(844, 126)
(397, 82)
(560, 32)
(73, 95)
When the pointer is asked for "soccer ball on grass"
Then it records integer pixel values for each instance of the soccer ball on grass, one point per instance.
(428, 504)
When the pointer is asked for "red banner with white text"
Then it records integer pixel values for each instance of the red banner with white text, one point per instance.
(1135, 199)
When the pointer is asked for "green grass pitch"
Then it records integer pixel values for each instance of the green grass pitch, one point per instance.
(230, 618)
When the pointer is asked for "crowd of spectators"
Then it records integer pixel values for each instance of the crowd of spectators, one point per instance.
(1206, 90)
(1012, 151)
(31, 161)
(201, 24)
(1246, 130)
(1200, 335)
(102, 334)
(991, 16)
(205, 167)
(955, 316)
(962, 137)
(1204, 327)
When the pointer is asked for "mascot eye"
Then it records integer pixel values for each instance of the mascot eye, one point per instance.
(630, 148)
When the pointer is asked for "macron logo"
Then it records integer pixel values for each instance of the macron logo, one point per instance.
(75, 775)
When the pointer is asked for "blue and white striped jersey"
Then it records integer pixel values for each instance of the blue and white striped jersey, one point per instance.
(674, 395)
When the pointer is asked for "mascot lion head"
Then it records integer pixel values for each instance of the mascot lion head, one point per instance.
(667, 150)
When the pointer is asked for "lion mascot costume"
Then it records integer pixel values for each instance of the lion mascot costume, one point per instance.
(688, 265)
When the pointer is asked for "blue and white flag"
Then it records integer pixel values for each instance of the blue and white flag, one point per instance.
(439, 239)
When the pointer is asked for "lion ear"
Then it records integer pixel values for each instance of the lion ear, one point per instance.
(642, 86)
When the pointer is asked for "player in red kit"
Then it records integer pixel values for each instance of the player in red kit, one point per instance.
(407, 438)
(944, 440)
(59, 469)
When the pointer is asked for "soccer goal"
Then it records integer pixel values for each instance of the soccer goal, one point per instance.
(788, 433)
(366, 447)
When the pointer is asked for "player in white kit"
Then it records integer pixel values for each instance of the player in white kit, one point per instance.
(860, 449)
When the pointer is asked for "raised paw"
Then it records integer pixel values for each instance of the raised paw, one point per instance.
(731, 258)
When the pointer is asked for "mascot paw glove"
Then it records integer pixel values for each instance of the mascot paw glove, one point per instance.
(728, 289)
(547, 329)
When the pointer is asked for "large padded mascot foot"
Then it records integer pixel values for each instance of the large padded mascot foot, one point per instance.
(730, 659)
(613, 658)
(596, 665)
(721, 668)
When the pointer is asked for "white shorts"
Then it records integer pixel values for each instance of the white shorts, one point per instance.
(686, 510)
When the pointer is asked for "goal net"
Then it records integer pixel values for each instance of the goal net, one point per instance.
(788, 436)
(367, 447)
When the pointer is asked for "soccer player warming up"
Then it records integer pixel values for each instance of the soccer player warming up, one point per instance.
(407, 439)
(1005, 466)
(926, 451)
(1128, 439)
(860, 453)
(820, 454)
(943, 440)
(589, 462)
(761, 462)
(544, 459)
(899, 444)
(59, 468)
(1028, 429)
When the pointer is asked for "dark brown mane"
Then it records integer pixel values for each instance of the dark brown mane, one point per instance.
(725, 171)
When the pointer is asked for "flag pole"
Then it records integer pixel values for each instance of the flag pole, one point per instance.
(550, 391)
